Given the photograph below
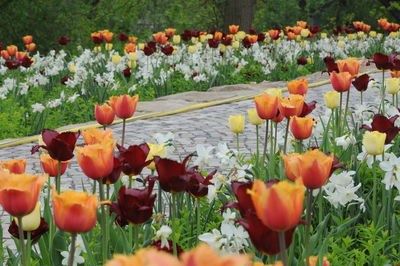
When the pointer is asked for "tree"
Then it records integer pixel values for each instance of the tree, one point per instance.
(239, 12)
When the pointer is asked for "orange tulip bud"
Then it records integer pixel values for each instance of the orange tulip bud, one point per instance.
(74, 212)
(14, 166)
(266, 105)
(302, 24)
(291, 35)
(341, 82)
(124, 105)
(130, 48)
(20, 55)
(12, 50)
(233, 29)
(292, 165)
(170, 32)
(95, 135)
(301, 127)
(30, 47)
(144, 257)
(218, 35)
(273, 34)
(104, 114)
(50, 166)
(351, 65)
(19, 193)
(160, 37)
(315, 168)
(27, 39)
(298, 86)
(5, 54)
(108, 36)
(291, 106)
(278, 206)
(132, 39)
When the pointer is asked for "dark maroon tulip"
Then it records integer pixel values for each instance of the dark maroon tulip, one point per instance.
(246, 42)
(384, 125)
(151, 44)
(170, 249)
(313, 29)
(262, 237)
(1, 46)
(123, 37)
(308, 108)
(195, 33)
(198, 185)
(127, 72)
(96, 40)
(330, 65)
(260, 37)
(337, 165)
(35, 234)
(337, 30)
(26, 62)
(172, 175)
(167, 49)
(186, 35)
(227, 41)
(383, 62)
(63, 40)
(148, 50)
(349, 30)
(302, 61)
(252, 31)
(64, 80)
(213, 43)
(12, 64)
(115, 174)
(361, 83)
(134, 158)
(59, 145)
(134, 206)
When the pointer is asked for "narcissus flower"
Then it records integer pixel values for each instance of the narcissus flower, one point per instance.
(236, 123)
(301, 127)
(19, 192)
(74, 212)
(298, 86)
(392, 85)
(172, 175)
(291, 106)
(95, 135)
(278, 206)
(374, 142)
(332, 99)
(124, 105)
(134, 158)
(50, 166)
(267, 105)
(385, 125)
(254, 119)
(15, 166)
(104, 114)
(341, 82)
(351, 65)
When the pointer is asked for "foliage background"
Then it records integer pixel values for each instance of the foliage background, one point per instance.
(47, 20)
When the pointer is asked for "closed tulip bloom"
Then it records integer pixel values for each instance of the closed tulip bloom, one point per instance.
(144, 257)
(341, 82)
(176, 39)
(291, 106)
(31, 222)
(5, 55)
(104, 114)
(134, 158)
(27, 39)
(332, 99)
(20, 192)
(74, 212)
(292, 165)
(50, 165)
(301, 127)
(155, 150)
(266, 106)
(14, 166)
(280, 205)
(315, 168)
(298, 86)
(30, 47)
(254, 119)
(392, 85)
(95, 135)
(116, 59)
(374, 142)
(96, 160)
(233, 29)
(351, 65)
(12, 50)
(20, 55)
(236, 123)
(124, 105)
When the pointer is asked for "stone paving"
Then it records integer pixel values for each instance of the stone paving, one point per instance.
(203, 126)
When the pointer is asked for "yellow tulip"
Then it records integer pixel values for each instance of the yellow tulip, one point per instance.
(254, 118)
(31, 222)
(236, 123)
(298, 38)
(176, 39)
(203, 38)
(71, 68)
(116, 59)
(332, 99)
(274, 92)
(222, 48)
(235, 45)
(393, 35)
(304, 33)
(109, 46)
(340, 44)
(351, 36)
(195, 40)
(372, 34)
(97, 49)
(340, 38)
(141, 46)
(361, 34)
(240, 35)
(132, 56)
(192, 49)
(374, 142)
(380, 35)
(310, 60)
(324, 35)
(155, 150)
(132, 63)
(392, 85)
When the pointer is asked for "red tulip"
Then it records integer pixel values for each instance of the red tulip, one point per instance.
(113, 177)
(308, 108)
(198, 185)
(104, 114)
(361, 83)
(341, 82)
(63, 40)
(124, 106)
(213, 43)
(134, 158)
(167, 49)
(123, 37)
(172, 175)
(384, 125)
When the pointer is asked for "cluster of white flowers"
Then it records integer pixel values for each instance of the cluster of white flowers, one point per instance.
(391, 167)
(79, 248)
(162, 234)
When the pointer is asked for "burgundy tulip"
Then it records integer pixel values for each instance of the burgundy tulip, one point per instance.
(246, 42)
(252, 31)
(169, 249)
(330, 65)
(26, 62)
(198, 185)
(152, 45)
(127, 72)
(384, 62)
(167, 50)
(227, 41)
(349, 30)
(195, 33)
(361, 83)
(96, 40)
(337, 30)
(313, 29)
(59, 145)
(35, 234)
(172, 175)
(384, 125)
(64, 80)
(134, 206)
(213, 43)
(148, 50)
(186, 35)
(308, 108)
(123, 37)
(133, 159)
(63, 40)
(302, 61)
(12, 64)
(113, 177)
(260, 37)
(337, 165)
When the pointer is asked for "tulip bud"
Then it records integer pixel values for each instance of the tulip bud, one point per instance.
(301, 127)
(116, 59)
(27, 39)
(30, 222)
(50, 165)
(124, 106)
(254, 119)
(104, 114)
(192, 49)
(324, 35)
(12, 50)
(71, 68)
(392, 85)
(97, 49)
(155, 150)
(109, 46)
(372, 34)
(304, 33)
(332, 99)
(340, 44)
(176, 39)
(236, 123)
(235, 45)
(374, 142)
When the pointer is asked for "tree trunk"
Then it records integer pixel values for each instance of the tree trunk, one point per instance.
(239, 12)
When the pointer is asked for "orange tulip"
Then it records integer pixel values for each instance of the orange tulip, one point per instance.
(124, 105)
(30, 47)
(315, 168)
(291, 35)
(278, 206)
(104, 114)
(301, 127)
(341, 82)
(96, 160)
(278, 118)
(302, 24)
(266, 105)
(20, 55)
(144, 257)
(218, 35)
(130, 48)
(273, 34)
(74, 212)
(252, 38)
(27, 39)
(14, 166)
(297, 30)
(298, 86)
(160, 37)
(351, 65)
(395, 73)
(233, 29)
(19, 192)
(5, 54)
(107, 36)
(95, 135)
(383, 23)
(132, 39)
(50, 166)
(170, 32)
(12, 50)
(291, 106)
(292, 165)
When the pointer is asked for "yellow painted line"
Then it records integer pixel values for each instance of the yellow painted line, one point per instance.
(20, 141)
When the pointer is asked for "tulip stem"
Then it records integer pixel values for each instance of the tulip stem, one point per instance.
(159, 198)
(383, 93)
(174, 217)
(58, 178)
(198, 218)
(276, 137)
(237, 143)
(286, 135)
(374, 193)
(72, 251)
(24, 261)
(346, 108)
(266, 139)
(308, 225)
(103, 222)
(340, 113)
(123, 132)
(282, 248)
(257, 144)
